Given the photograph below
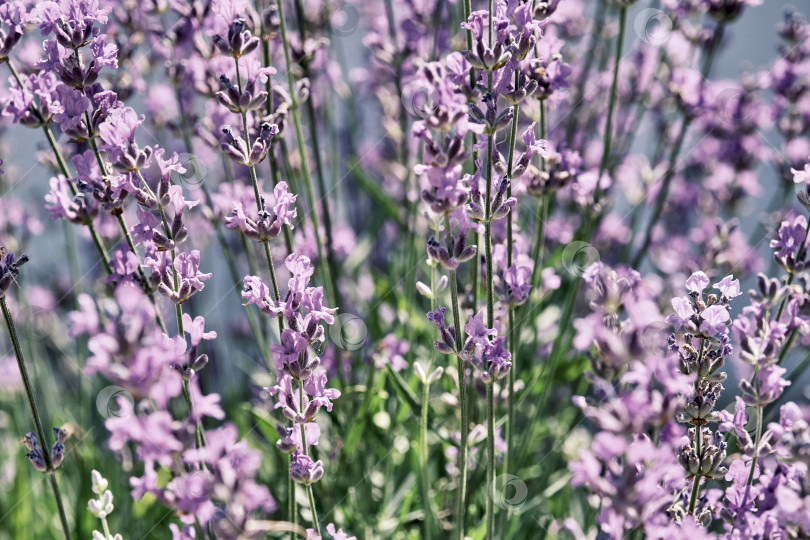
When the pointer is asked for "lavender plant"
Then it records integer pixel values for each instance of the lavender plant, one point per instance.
(281, 223)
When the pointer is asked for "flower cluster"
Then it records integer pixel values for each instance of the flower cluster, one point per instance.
(302, 310)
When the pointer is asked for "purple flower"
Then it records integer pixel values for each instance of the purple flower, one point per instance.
(729, 287)
(697, 282)
(187, 267)
(684, 312)
(71, 20)
(9, 269)
(713, 320)
(196, 329)
(291, 347)
(792, 236)
(801, 176)
(447, 344)
(517, 279)
(303, 470)
(770, 385)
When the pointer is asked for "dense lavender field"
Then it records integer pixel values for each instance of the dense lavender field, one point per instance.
(377, 269)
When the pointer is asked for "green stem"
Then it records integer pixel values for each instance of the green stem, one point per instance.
(461, 497)
(292, 512)
(229, 260)
(306, 452)
(664, 192)
(299, 134)
(490, 507)
(590, 55)
(693, 496)
(275, 284)
(29, 392)
(314, 510)
(423, 428)
(568, 310)
(756, 450)
(612, 104)
(423, 453)
(106, 528)
(676, 150)
(490, 459)
(316, 152)
(512, 342)
(60, 160)
(122, 224)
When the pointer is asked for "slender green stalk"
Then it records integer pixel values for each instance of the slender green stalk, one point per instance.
(199, 434)
(275, 284)
(588, 58)
(106, 527)
(756, 450)
(141, 273)
(612, 104)
(305, 449)
(60, 160)
(696, 485)
(257, 193)
(664, 191)
(254, 179)
(676, 150)
(423, 428)
(512, 334)
(573, 290)
(490, 507)
(29, 392)
(268, 86)
(490, 459)
(229, 260)
(461, 502)
(423, 454)
(528, 309)
(316, 153)
(122, 224)
(292, 511)
(299, 134)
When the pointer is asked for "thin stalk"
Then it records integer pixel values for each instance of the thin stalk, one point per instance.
(423, 454)
(178, 308)
(299, 134)
(60, 160)
(305, 448)
(663, 193)
(275, 284)
(316, 152)
(490, 507)
(573, 289)
(29, 392)
(231, 264)
(696, 485)
(490, 459)
(292, 511)
(311, 497)
(590, 55)
(538, 248)
(257, 194)
(756, 451)
(199, 435)
(423, 429)
(122, 224)
(511, 335)
(461, 502)
(676, 149)
(612, 104)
